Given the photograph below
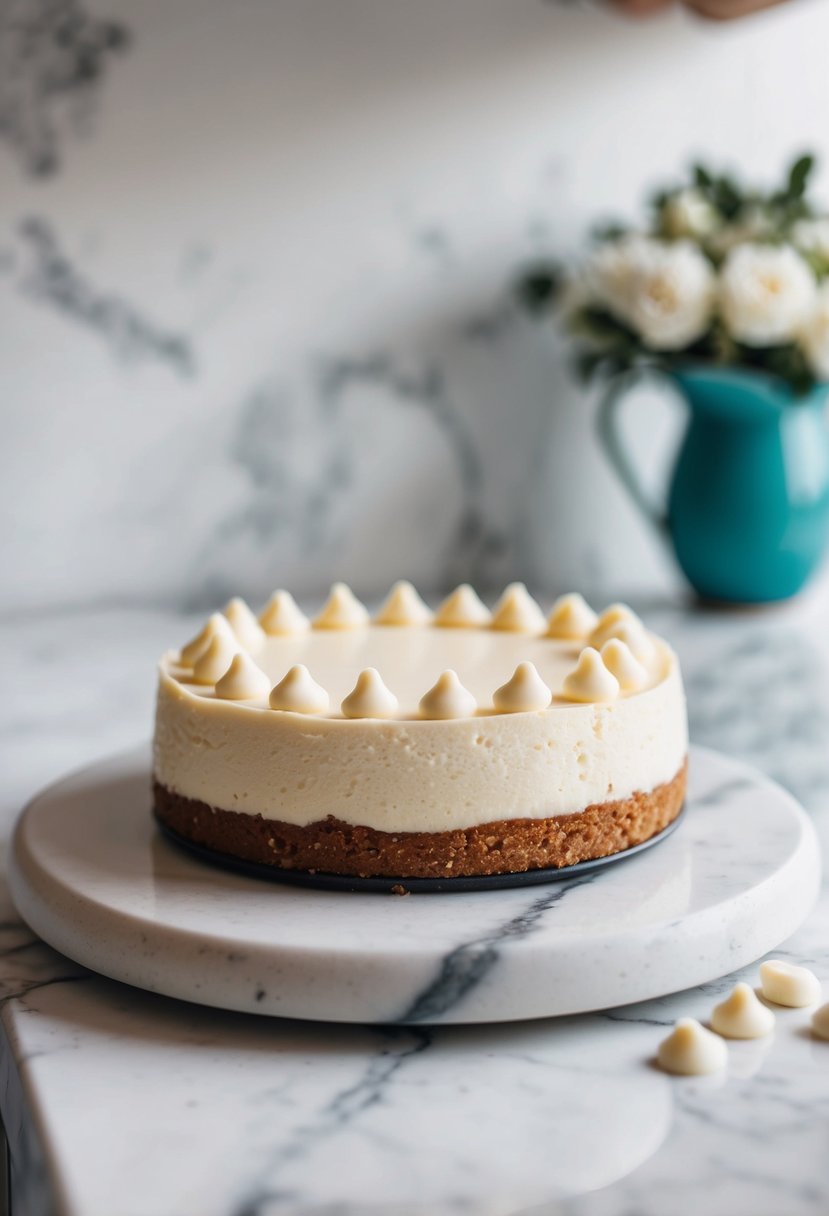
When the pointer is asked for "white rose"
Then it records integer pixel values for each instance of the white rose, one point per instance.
(812, 236)
(610, 274)
(673, 295)
(689, 213)
(663, 290)
(766, 293)
(814, 336)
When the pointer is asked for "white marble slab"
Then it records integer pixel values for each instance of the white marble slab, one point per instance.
(121, 1101)
(92, 875)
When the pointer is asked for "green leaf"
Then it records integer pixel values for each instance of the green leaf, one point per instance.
(609, 230)
(702, 178)
(799, 176)
(538, 287)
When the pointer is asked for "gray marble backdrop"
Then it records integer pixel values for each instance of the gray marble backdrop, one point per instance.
(255, 325)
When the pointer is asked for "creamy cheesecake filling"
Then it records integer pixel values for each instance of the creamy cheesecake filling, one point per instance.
(406, 773)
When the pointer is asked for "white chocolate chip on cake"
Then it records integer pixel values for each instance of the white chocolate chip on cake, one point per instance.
(299, 693)
(635, 637)
(243, 681)
(249, 633)
(447, 698)
(571, 618)
(524, 691)
(690, 1050)
(216, 625)
(517, 612)
(787, 984)
(213, 664)
(742, 1016)
(342, 610)
(820, 1022)
(609, 622)
(282, 616)
(590, 680)
(463, 609)
(403, 606)
(621, 662)
(370, 698)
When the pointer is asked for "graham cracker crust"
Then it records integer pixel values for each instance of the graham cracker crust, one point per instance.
(506, 846)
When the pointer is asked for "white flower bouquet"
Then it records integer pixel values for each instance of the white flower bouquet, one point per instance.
(720, 274)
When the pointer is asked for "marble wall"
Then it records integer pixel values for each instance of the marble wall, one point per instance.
(255, 326)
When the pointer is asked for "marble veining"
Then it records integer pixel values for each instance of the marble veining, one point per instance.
(476, 541)
(294, 294)
(233, 1115)
(465, 967)
(46, 274)
(51, 54)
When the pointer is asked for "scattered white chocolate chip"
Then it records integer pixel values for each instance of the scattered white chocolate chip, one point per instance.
(299, 693)
(524, 691)
(517, 612)
(342, 610)
(571, 618)
(820, 1022)
(609, 621)
(690, 1050)
(213, 664)
(243, 681)
(282, 615)
(216, 624)
(618, 659)
(249, 633)
(463, 609)
(590, 680)
(742, 1016)
(369, 697)
(403, 606)
(447, 698)
(787, 984)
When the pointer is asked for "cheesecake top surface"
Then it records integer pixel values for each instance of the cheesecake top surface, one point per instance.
(408, 663)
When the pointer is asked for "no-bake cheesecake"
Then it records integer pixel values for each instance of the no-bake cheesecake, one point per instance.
(419, 744)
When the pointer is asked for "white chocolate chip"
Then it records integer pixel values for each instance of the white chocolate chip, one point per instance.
(447, 698)
(216, 625)
(213, 664)
(369, 697)
(463, 609)
(609, 621)
(620, 660)
(403, 606)
(742, 1016)
(590, 680)
(282, 616)
(517, 612)
(249, 633)
(571, 618)
(523, 692)
(787, 984)
(299, 693)
(820, 1022)
(635, 637)
(342, 610)
(243, 681)
(690, 1050)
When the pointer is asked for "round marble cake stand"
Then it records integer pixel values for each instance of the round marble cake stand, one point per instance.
(92, 876)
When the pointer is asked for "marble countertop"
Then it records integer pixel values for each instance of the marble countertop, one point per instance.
(117, 1101)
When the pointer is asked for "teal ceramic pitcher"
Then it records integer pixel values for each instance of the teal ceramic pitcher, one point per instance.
(748, 505)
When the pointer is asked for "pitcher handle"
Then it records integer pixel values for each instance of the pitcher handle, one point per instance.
(610, 436)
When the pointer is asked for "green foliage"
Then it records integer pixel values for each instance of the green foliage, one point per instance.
(538, 287)
(723, 211)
